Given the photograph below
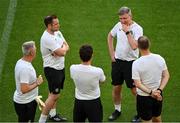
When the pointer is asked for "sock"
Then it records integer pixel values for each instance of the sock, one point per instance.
(52, 112)
(43, 118)
(117, 107)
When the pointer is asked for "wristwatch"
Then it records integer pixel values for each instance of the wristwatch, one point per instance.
(127, 32)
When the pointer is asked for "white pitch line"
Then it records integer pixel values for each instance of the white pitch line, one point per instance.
(6, 32)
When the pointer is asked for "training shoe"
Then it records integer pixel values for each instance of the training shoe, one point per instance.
(57, 118)
(114, 115)
(136, 119)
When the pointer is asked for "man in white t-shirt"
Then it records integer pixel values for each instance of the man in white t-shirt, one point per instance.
(53, 49)
(150, 75)
(26, 84)
(87, 91)
(127, 33)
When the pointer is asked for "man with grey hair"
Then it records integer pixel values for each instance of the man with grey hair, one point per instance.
(26, 84)
(127, 32)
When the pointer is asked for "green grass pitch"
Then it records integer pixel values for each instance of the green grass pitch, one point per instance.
(89, 21)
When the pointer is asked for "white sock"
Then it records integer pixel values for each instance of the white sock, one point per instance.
(42, 118)
(117, 107)
(52, 112)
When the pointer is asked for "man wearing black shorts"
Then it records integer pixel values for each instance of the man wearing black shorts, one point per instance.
(26, 84)
(53, 49)
(150, 75)
(87, 78)
(127, 32)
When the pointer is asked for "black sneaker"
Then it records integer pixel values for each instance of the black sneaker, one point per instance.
(57, 118)
(114, 115)
(136, 119)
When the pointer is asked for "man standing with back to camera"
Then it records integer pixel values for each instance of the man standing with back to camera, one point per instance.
(87, 79)
(127, 32)
(150, 74)
(53, 49)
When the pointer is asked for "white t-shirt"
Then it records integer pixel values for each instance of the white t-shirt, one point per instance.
(50, 43)
(123, 49)
(24, 73)
(148, 69)
(87, 79)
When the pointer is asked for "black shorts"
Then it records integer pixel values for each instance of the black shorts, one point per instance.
(122, 70)
(55, 79)
(90, 109)
(148, 107)
(26, 112)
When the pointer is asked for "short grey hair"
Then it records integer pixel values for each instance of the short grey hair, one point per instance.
(26, 47)
(124, 10)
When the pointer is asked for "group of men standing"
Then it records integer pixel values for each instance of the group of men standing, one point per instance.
(145, 76)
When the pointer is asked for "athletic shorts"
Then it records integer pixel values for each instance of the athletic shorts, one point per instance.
(122, 71)
(26, 112)
(148, 107)
(55, 79)
(90, 109)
